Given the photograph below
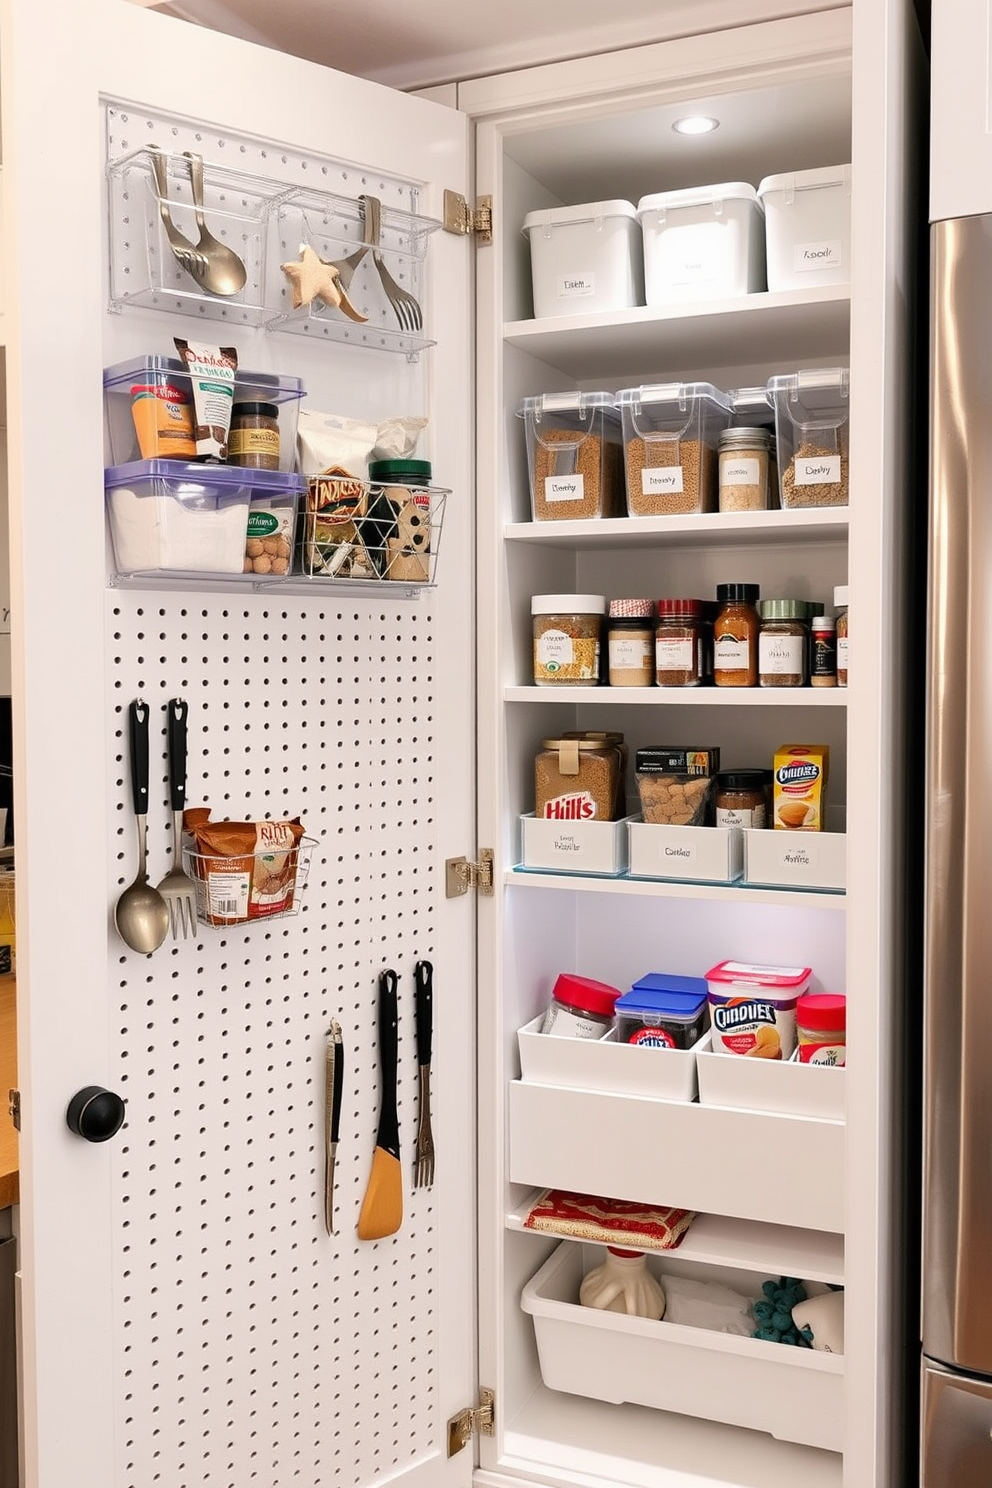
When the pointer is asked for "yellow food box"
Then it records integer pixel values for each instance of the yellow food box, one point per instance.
(801, 772)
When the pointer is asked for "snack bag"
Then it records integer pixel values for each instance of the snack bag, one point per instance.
(242, 870)
(676, 785)
(800, 786)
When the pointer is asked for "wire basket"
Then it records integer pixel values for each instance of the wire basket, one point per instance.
(351, 529)
(243, 890)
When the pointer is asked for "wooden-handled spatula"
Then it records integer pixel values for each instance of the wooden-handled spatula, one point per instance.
(382, 1207)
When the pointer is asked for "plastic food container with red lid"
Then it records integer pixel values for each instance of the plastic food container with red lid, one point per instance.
(580, 1008)
(753, 1008)
(821, 1026)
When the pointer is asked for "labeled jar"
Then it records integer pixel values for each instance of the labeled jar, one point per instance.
(821, 1028)
(630, 642)
(580, 779)
(742, 798)
(840, 605)
(679, 644)
(580, 1008)
(823, 652)
(783, 643)
(396, 529)
(744, 456)
(253, 441)
(567, 629)
(735, 636)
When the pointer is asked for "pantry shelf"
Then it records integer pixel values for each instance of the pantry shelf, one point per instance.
(750, 1245)
(711, 529)
(654, 343)
(653, 888)
(685, 697)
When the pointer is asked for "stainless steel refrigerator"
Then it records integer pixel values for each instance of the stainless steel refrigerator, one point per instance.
(957, 1238)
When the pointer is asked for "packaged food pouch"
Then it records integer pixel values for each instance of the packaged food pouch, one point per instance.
(334, 452)
(676, 786)
(242, 870)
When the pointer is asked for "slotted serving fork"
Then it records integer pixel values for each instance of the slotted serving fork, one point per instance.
(177, 888)
(188, 257)
(407, 309)
(423, 974)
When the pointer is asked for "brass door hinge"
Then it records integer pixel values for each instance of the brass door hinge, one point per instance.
(14, 1107)
(460, 218)
(460, 875)
(469, 1423)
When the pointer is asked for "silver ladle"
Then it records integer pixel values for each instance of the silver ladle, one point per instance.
(141, 914)
(222, 272)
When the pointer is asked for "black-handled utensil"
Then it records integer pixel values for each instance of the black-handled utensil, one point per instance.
(141, 914)
(423, 980)
(333, 1090)
(177, 888)
(382, 1207)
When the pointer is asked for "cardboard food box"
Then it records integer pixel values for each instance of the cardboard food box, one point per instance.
(800, 787)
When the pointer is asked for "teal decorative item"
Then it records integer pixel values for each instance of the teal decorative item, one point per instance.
(773, 1313)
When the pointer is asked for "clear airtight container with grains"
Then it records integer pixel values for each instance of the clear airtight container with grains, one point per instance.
(811, 424)
(670, 434)
(574, 456)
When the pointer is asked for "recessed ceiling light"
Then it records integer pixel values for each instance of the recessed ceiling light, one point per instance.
(695, 124)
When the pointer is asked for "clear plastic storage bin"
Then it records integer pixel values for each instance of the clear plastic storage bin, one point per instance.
(574, 456)
(811, 425)
(585, 258)
(808, 227)
(125, 383)
(670, 434)
(706, 242)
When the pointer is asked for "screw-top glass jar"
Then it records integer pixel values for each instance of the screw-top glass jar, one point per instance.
(679, 643)
(783, 643)
(744, 465)
(630, 642)
(735, 636)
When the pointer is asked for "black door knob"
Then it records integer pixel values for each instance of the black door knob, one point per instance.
(95, 1113)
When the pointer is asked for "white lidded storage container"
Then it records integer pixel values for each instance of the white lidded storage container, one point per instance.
(706, 242)
(585, 258)
(808, 227)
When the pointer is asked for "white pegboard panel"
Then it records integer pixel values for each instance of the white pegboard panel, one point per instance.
(252, 1348)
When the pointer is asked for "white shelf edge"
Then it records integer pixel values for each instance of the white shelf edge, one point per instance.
(829, 524)
(657, 888)
(748, 1245)
(657, 315)
(691, 697)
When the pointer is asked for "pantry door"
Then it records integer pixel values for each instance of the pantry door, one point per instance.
(186, 1321)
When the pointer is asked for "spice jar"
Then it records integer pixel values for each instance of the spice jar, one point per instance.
(679, 643)
(630, 642)
(821, 1028)
(580, 1008)
(744, 463)
(735, 636)
(783, 643)
(823, 652)
(566, 639)
(840, 605)
(742, 798)
(254, 436)
(580, 779)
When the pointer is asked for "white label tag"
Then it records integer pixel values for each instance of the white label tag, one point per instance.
(554, 650)
(743, 472)
(674, 853)
(730, 655)
(665, 480)
(780, 655)
(564, 487)
(673, 656)
(627, 655)
(740, 816)
(827, 255)
(694, 254)
(823, 471)
(576, 286)
(801, 856)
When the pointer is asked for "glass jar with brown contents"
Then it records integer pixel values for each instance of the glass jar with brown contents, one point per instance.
(578, 780)
(630, 643)
(735, 636)
(742, 798)
(840, 605)
(254, 438)
(678, 644)
(783, 643)
(567, 630)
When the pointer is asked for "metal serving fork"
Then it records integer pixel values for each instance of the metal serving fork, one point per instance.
(188, 257)
(177, 888)
(407, 309)
(423, 973)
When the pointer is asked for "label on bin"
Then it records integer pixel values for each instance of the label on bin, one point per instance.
(576, 286)
(827, 255)
(742, 472)
(823, 470)
(564, 487)
(661, 480)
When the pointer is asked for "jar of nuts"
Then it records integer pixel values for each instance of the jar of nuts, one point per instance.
(271, 520)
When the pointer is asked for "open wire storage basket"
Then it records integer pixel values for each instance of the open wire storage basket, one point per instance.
(250, 889)
(356, 531)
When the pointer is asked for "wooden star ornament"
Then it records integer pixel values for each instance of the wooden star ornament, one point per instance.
(315, 279)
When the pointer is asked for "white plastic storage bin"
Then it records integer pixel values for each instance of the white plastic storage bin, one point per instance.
(693, 854)
(785, 1086)
(703, 243)
(574, 456)
(808, 227)
(795, 860)
(585, 258)
(795, 1394)
(811, 435)
(573, 846)
(606, 1065)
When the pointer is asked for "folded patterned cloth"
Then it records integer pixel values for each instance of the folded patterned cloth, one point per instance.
(610, 1221)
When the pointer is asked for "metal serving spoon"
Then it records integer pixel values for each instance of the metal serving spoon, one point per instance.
(224, 272)
(141, 914)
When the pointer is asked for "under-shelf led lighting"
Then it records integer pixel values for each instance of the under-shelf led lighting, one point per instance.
(695, 124)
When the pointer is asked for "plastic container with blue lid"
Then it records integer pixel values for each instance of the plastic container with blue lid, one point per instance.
(663, 1012)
